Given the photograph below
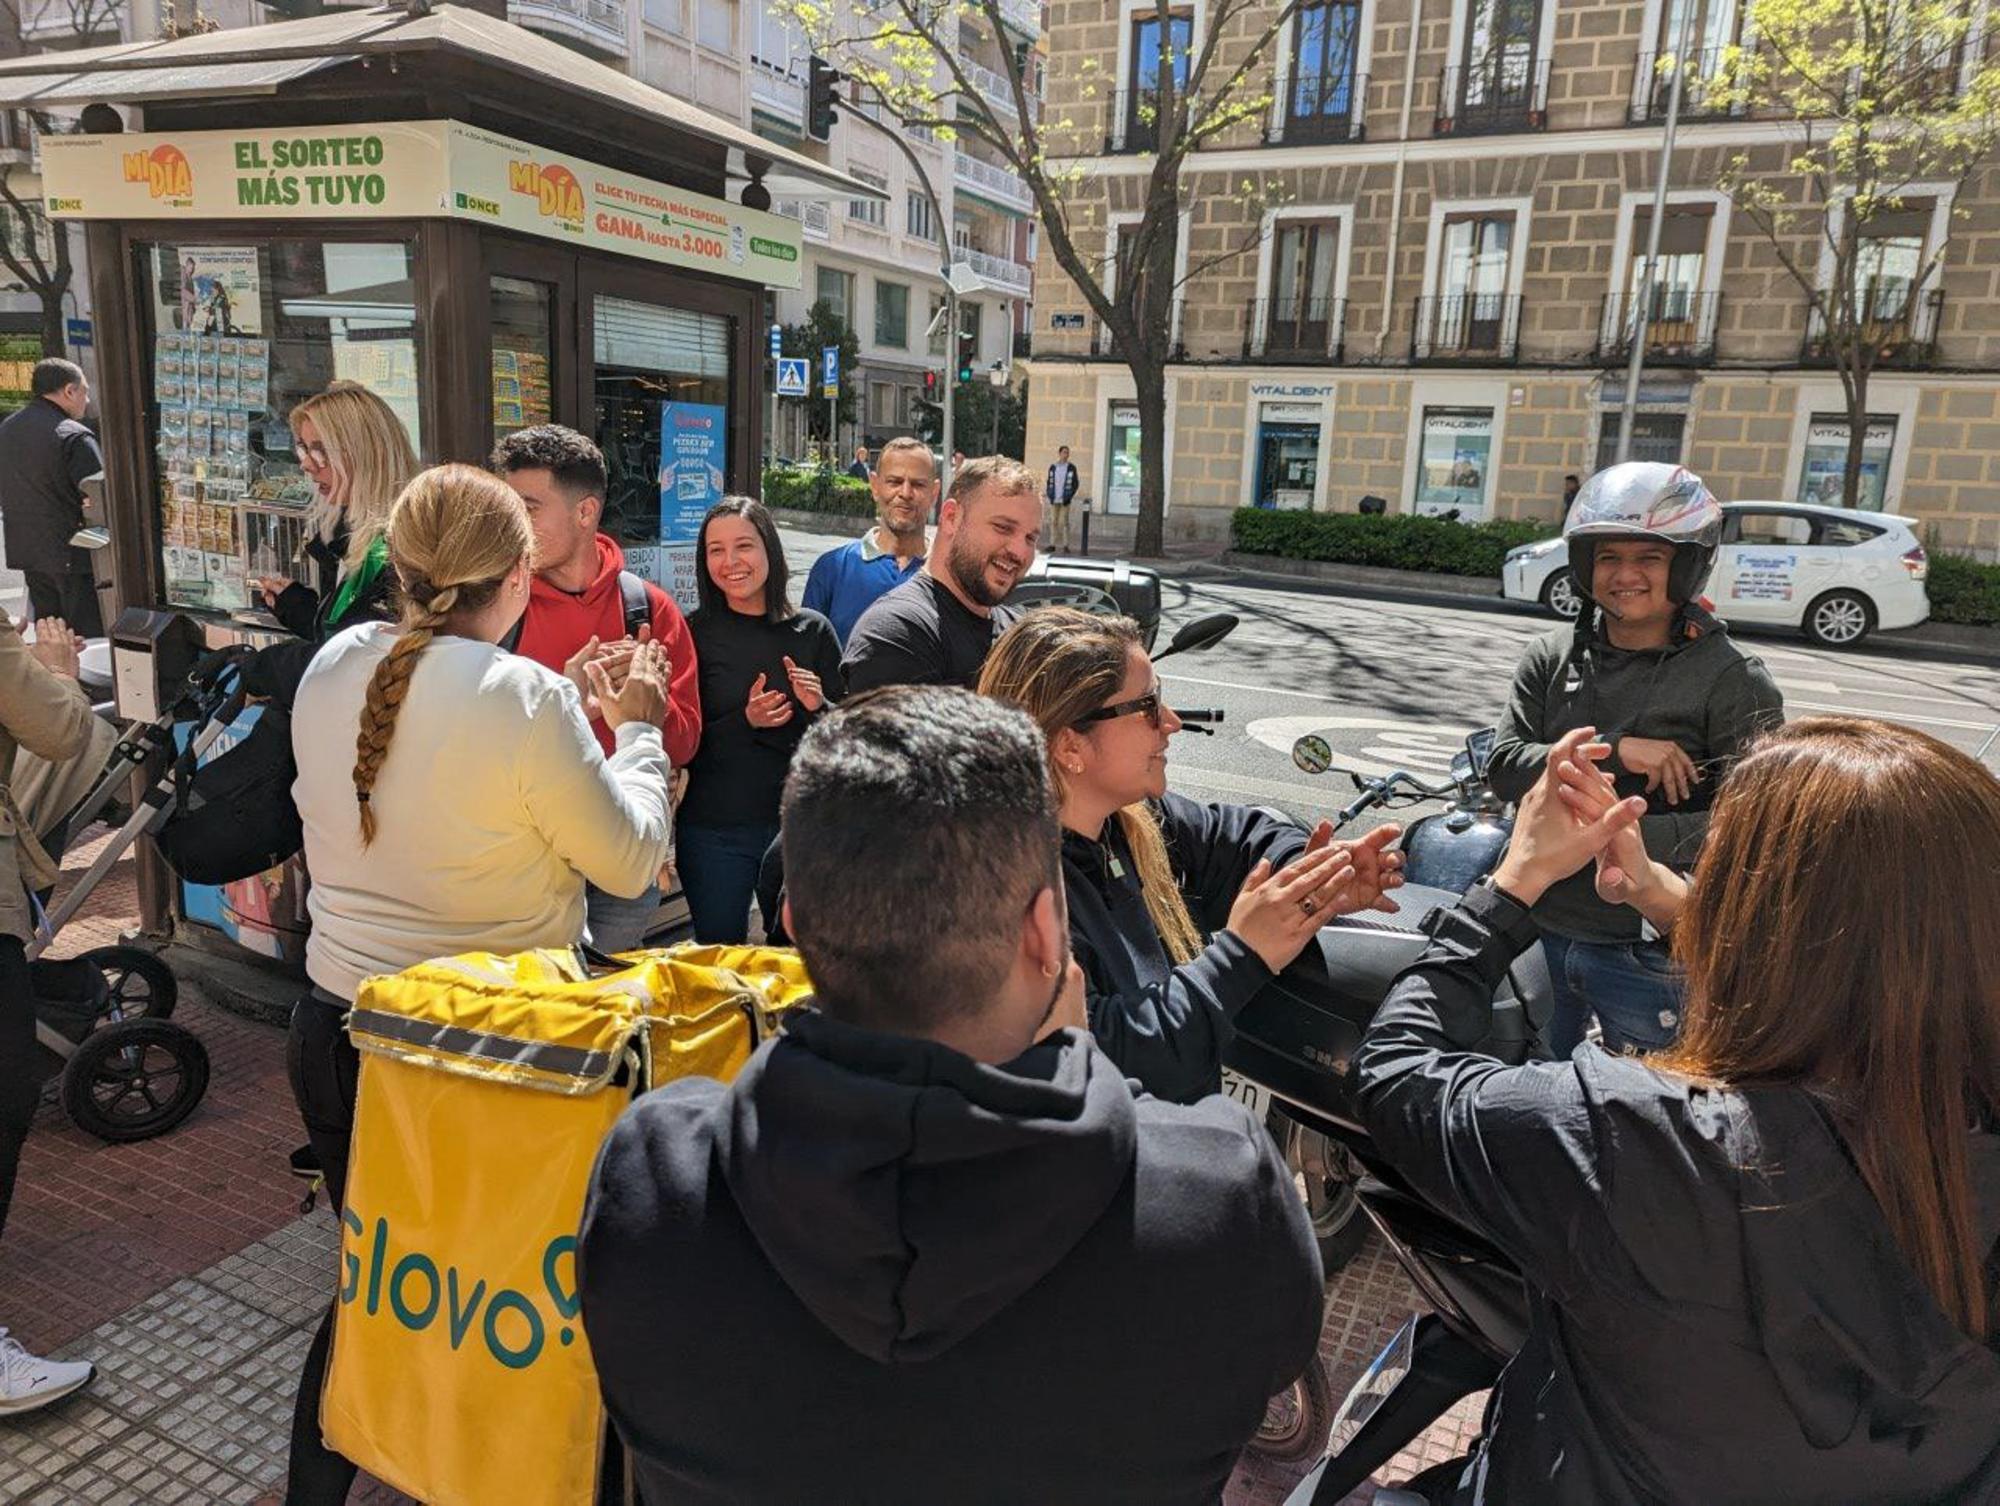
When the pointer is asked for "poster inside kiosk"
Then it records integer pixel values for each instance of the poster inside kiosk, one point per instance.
(412, 170)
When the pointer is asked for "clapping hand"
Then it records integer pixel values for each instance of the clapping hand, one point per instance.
(805, 685)
(1554, 837)
(1626, 873)
(1663, 763)
(56, 648)
(643, 695)
(767, 708)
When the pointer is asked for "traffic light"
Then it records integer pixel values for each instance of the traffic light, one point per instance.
(930, 385)
(821, 77)
(968, 353)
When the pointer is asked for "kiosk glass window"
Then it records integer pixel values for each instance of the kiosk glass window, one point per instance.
(1455, 465)
(647, 356)
(1287, 456)
(1824, 467)
(237, 335)
(523, 319)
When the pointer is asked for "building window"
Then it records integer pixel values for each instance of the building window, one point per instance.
(869, 211)
(1655, 436)
(1499, 83)
(919, 219)
(1455, 463)
(716, 24)
(1137, 122)
(1287, 475)
(1471, 313)
(1824, 465)
(668, 16)
(1679, 312)
(892, 315)
(835, 289)
(1711, 29)
(1889, 259)
(882, 405)
(777, 40)
(1303, 317)
(1322, 97)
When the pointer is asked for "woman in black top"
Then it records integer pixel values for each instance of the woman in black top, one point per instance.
(767, 669)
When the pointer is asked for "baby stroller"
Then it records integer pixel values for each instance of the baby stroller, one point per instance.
(102, 1020)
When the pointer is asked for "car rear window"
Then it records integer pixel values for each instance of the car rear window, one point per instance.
(1844, 531)
(1768, 528)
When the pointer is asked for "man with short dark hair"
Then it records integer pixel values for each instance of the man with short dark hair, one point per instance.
(846, 580)
(46, 452)
(585, 604)
(938, 626)
(1571, 486)
(933, 1206)
(1061, 493)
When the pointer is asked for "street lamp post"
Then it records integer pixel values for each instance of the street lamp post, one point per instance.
(1642, 305)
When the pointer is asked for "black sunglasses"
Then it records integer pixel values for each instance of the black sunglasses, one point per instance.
(1147, 706)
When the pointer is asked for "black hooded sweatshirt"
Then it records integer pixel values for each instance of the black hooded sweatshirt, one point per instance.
(874, 1270)
(1719, 1313)
(1167, 1025)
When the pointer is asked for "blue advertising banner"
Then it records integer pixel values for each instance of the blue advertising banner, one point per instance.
(693, 447)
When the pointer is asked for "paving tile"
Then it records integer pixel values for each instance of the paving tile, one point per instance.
(145, 1469)
(165, 1348)
(41, 1445)
(242, 1418)
(289, 1274)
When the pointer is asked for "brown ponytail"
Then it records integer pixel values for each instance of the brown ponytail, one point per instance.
(1058, 664)
(454, 534)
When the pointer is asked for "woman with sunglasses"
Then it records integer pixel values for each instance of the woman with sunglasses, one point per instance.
(1179, 911)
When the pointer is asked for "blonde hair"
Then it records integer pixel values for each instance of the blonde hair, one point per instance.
(1058, 665)
(454, 534)
(367, 444)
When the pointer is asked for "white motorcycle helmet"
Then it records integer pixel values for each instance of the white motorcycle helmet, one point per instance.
(1647, 499)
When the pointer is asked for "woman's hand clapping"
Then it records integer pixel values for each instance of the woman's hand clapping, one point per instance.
(642, 697)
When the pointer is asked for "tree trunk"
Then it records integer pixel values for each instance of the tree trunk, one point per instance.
(1149, 381)
(54, 333)
(1857, 438)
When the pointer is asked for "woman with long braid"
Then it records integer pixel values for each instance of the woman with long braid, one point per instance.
(466, 815)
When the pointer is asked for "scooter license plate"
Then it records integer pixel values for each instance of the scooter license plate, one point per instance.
(1247, 1093)
(1377, 1382)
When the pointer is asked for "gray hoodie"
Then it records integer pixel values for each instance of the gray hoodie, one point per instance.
(1701, 691)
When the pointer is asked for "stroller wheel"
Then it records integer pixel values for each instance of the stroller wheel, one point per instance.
(138, 982)
(135, 1079)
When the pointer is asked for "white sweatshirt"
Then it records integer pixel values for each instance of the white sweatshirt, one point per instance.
(492, 807)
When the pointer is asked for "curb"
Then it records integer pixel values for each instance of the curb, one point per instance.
(246, 989)
(822, 522)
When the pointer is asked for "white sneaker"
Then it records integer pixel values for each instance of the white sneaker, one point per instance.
(27, 1382)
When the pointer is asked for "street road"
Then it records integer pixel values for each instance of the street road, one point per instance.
(1392, 684)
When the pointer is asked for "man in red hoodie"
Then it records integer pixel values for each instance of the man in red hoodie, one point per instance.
(586, 604)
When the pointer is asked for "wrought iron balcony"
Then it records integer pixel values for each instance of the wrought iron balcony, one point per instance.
(599, 25)
(1651, 88)
(997, 185)
(1320, 108)
(1471, 329)
(1001, 273)
(1507, 92)
(1680, 331)
(1294, 329)
(1899, 321)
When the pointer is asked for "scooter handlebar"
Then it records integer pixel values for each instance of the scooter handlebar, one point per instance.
(1202, 719)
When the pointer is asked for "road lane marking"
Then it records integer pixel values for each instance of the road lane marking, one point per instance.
(1900, 716)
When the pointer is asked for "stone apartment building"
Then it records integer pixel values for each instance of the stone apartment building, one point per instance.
(1428, 297)
(879, 263)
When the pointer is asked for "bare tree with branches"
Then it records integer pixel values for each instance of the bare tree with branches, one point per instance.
(906, 58)
(1895, 108)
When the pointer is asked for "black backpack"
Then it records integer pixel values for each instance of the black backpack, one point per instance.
(234, 816)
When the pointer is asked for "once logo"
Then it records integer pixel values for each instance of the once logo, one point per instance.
(164, 170)
(418, 1294)
(555, 190)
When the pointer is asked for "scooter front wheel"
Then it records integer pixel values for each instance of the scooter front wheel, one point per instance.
(1299, 1419)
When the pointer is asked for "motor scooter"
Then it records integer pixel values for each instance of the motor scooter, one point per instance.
(1294, 1048)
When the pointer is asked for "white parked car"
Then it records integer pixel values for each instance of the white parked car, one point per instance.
(1835, 575)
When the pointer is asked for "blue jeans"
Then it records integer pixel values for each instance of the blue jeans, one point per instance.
(619, 925)
(718, 869)
(1631, 986)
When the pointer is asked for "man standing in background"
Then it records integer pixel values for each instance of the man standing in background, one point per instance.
(45, 454)
(846, 580)
(1061, 492)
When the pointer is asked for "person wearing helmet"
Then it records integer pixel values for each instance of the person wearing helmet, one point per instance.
(1650, 668)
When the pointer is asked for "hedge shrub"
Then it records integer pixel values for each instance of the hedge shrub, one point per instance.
(818, 491)
(1399, 542)
(1963, 590)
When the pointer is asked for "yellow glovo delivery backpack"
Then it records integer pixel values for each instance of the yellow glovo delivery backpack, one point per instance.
(460, 1374)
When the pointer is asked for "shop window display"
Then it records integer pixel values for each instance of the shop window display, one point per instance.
(238, 335)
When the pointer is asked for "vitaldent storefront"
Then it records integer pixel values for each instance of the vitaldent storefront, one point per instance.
(478, 281)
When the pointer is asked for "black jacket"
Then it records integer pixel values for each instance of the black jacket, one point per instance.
(1702, 692)
(738, 773)
(1719, 1313)
(1166, 1025)
(874, 1270)
(44, 457)
(1066, 492)
(307, 614)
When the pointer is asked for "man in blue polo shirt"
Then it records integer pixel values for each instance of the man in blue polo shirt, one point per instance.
(846, 580)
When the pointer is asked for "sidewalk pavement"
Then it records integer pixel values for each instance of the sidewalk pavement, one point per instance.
(183, 1269)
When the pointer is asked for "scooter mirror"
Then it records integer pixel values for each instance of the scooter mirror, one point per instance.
(1313, 754)
(1202, 633)
(1461, 767)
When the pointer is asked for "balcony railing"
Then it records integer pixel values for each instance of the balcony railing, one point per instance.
(1508, 92)
(1134, 125)
(1478, 329)
(1295, 329)
(597, 24)
(778, 91)
(1898, 320)
(1319, 108)
(999, 93)
(1000, 272)
(1025, 16)
(1651, 88)
(1680, 330)
(1106, 343)
(812, 214)
(996, 184)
